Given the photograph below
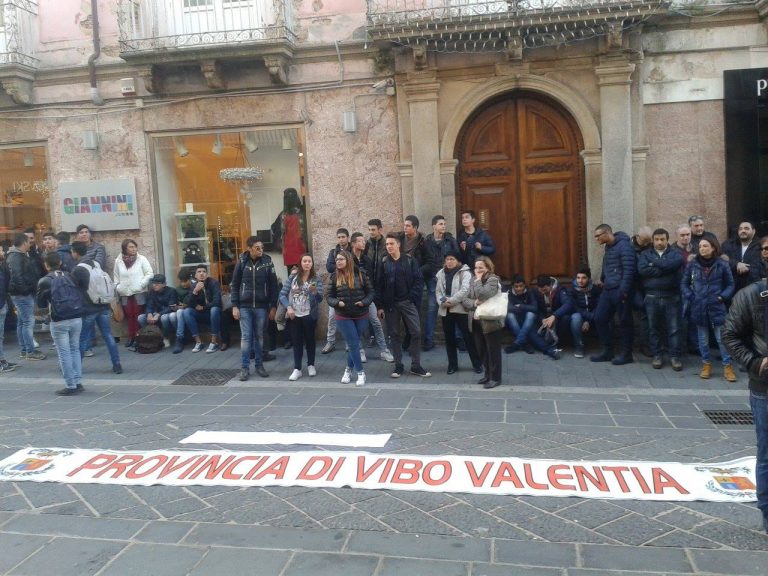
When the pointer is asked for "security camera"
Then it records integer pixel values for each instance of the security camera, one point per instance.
(386, 83)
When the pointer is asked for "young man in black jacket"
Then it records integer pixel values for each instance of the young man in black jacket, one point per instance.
(399, 287)
(743, 255)
(162, 302)
(254, 299)
(23, 274)
(5, 366)
(584, 298)
(473, 240)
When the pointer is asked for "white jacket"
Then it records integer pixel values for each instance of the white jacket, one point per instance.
(132, 281)
(459, 290)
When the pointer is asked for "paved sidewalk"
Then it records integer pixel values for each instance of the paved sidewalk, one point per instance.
(568, 409)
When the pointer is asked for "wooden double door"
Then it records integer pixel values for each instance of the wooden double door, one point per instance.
(521, 173)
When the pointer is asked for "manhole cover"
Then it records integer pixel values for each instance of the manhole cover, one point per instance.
(731, 417)
(205, 378)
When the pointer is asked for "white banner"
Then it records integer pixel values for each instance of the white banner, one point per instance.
(727, 482)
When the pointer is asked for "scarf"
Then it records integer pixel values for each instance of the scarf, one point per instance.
(706, 262)
(129, 260)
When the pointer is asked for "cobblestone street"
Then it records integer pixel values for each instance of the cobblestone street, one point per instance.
(570, 409)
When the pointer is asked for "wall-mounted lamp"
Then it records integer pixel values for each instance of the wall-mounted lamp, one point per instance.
(349, 121)
(250, 142)
(181, 150)
(90, 140)
(217, 146)
(29, 161)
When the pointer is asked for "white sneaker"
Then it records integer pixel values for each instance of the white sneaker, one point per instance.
(295, 375)
(311, 370)
(35, 343)
(386, 355)
(360, 379)
(347, 378)
(166, 343)
(363, 357)
(198, 347)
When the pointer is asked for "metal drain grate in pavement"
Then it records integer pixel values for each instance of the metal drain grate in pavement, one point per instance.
(205, 378)
(730, 417)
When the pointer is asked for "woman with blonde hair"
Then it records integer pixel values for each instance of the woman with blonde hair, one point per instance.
(350, 293)
(132, 273)
(486, 333)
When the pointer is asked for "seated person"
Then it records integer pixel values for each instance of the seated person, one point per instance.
(203, 304)
(162, 302)
(584, 297)
(523, 313)
(183, 288)
(555, 303)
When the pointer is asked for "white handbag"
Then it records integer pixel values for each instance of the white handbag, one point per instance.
(495, 308)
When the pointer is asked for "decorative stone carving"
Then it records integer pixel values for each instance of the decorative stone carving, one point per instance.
(420, 57)
(278, 69)
(548, 167)
(212, 72)
(488, 171)
(19, 89)
(614, 40)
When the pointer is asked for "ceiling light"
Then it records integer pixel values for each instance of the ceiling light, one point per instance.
(217, 147)
(29, 160)
(287, 143)
(250, 142)
(180, 148)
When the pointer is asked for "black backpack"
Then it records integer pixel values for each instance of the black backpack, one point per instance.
(149, 340)
(66, 299)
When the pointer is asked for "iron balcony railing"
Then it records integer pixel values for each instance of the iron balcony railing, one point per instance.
(152, 25)
(18, 32)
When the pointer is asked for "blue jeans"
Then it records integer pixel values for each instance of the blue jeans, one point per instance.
(25, 322)
(167, 322)
(88, 333)
(66, 337)
(576, 322)
(759, 404)
(180, 324)
(431, 320)
(378, 330)
(663, 312)
(252, 323)
(3, 313)
(211, 317)
(352, 331)
(521, 331)
(703, 333)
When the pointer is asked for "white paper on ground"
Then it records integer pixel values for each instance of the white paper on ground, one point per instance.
(287, 438)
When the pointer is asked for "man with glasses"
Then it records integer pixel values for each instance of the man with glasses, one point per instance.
(618, 275)
(342, 235)
(698, 233)
(744, 256)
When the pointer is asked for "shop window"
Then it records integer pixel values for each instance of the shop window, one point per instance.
(206, 215)
(25, 196)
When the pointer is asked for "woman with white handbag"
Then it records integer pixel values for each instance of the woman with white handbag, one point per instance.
(487, 305)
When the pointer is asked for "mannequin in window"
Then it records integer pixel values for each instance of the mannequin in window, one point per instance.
(289, 231)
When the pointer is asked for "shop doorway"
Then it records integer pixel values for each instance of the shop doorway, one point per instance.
(521, 173)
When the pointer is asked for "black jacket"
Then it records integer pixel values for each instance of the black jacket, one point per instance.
(161, 302)
(330, 262)
(421, 253)
(585, 301)
(67, 262)
(363, 263)
(362, 291)
(744, 333)
(521, 304)
(385, 282)
(254, 283)
(209, 297)
(619, 264)
(470, 253)
(23, 273)
(661, 275)
(732, 249)
(3, 285)
(43, 297)
(439, 250)
(376, 250)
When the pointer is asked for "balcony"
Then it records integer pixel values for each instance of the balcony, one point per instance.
(183, 31)
(497, 25)
(18, 39)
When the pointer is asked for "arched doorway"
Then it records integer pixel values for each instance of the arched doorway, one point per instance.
(520, 171)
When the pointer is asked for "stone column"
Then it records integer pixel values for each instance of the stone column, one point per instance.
(448, 182)
(422, 95)
(614, 78)
(639, 144)
(593, 161)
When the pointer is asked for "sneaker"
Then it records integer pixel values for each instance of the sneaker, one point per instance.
(178, 347)
(212, 347)
(553, 353)
(676, 364)
(35, 343)
(36, 355)
(198, 347)
(88, 353)
(22, 355)
(347, 377)
(386, 355)
(261, 371)
(295, 375)
(657, 362)
(328, 348)
(398, 371)
(243, 374)
(311, 370)
(117, 369)
(7, 367)
(363, 357)
(578, 352)
(419, 371)
(80, 388)
(67, 392)
(166, 343)
(360, 379)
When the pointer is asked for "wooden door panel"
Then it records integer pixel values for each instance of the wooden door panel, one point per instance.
(489, 138)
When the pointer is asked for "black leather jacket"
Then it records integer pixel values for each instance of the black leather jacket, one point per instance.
(744, 333)
(362, 291)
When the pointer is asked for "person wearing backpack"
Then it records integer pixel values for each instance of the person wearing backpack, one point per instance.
(57, 291)
(94, 284)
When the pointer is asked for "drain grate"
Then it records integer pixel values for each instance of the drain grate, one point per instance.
(730, 417)
(205, 378)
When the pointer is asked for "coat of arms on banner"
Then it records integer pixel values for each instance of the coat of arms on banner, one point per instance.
(35, 461)
(734, 481)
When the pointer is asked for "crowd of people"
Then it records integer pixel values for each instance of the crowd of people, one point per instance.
(671, 295)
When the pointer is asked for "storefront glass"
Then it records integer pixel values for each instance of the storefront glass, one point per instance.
(206, 215)
(25, 196)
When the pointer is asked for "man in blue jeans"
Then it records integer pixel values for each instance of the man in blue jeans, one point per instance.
(203, 305)
(254, 299)
(95, 314)
(744, 335)
(23, 275)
